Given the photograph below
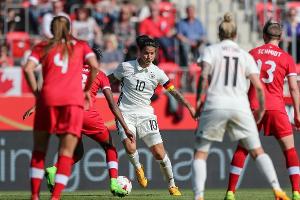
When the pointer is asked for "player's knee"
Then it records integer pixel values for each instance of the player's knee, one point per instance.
(256, 152)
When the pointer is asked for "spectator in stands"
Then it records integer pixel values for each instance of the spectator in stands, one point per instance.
(191, 35)
(15, 19)
(158, 28)
(34, 14)
(292, 29)
(86, 28)
(105, 16)
(57, 10)
(5, 60)
(111, 55)
(125, 28)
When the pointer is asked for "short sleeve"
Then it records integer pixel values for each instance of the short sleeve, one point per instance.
(88, 52)
(291, 67)
(251, 66)
(104, 81)
(207, 56)
(36, 54)
(119, 72)
(162, 77)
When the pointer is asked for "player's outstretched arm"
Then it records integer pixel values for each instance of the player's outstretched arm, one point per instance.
(94, 69)
(29, 112)
(202, 87)
(294, 91)
(258, 114)
(117, 112)
(180, 98)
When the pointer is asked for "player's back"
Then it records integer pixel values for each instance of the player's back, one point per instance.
(62, 74)
(274, 65)
(230, 66)
(101, 82)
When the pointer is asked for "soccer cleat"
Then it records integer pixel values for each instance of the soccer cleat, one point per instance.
(174, 191)
(280, 195)
(141, 177)
(229, 196)
(296, 195)
(50, 177)
(116, 189)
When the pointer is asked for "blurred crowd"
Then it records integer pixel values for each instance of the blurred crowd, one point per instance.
(109, 24)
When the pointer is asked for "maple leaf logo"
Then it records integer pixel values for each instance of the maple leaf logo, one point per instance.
(5, 85)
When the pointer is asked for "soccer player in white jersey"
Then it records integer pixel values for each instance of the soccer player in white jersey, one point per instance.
(139, 78)
(226, 69)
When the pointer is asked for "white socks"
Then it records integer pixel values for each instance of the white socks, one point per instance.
(135, 159)
(198, 177)
(166, 169)
(265, 165)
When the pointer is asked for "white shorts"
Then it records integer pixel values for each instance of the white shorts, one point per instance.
(143, 125)
(239, 125)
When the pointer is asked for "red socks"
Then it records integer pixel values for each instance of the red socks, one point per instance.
(64, 166)
(37, 172)
(112, 161)
(292, 165)
(236, 167)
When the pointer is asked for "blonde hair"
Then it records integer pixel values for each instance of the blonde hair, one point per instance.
(227, 28)
(60, 28)
(111, 38)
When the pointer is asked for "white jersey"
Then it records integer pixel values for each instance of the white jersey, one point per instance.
(138, 85)
(230, 67)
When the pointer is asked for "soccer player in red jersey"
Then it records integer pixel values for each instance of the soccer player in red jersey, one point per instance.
(93, 127)
(275, 65)
(60, 101)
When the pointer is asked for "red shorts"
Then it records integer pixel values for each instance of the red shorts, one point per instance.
(59, 119)
(93, 126)
(276, 123)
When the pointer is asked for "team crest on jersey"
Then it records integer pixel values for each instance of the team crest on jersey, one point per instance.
(152, 75)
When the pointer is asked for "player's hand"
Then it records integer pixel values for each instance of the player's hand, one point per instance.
(87, 100)
(258, 115)
(28, 112)
(130, 135)
(297, 121)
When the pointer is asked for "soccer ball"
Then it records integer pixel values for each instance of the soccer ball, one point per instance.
(125, 183)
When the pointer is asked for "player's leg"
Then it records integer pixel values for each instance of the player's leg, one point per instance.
(50, 172)
(105, 141)
(237, 164)
(292, 163)
(155, 143)
(67, 146)
(69, 130)
(199, 172)
(279, 126)
(130, 148)
(264, 164)
(42, 127)
(40, 145)
(212, 126)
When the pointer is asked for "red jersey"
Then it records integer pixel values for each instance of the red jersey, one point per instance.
(101, 82)
(61, 76)
(275, 64)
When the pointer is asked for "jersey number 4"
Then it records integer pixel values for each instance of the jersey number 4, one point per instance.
(270, 71)
(63, 63)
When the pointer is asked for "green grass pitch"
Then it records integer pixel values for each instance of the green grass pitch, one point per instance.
(211, 194)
